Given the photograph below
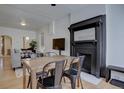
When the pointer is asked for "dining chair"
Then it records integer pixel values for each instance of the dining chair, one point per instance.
(50, 54)
(73, 73)
(39, 75)
(52, 81)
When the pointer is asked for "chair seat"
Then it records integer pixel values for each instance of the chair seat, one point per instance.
(47, 82)
(73, 73)
(41, 74)
(52, 81)
(70, 72)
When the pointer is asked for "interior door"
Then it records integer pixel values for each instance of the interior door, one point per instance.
(5, 45)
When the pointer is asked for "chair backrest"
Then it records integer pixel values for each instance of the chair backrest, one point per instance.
(50, 54)
(81, 61)
(58, 66)
(74, 63)
(77, 63)
(58, 73)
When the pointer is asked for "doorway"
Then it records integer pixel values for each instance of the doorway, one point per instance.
(5, 52)
(5, 45)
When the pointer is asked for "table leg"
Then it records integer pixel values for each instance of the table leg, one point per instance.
(24, 76)
(33, 80)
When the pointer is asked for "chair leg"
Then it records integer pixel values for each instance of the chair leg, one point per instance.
(78, 81)
(73, 83)
(30, 84)
(81, 83)
(64, 79)
(37, 86)
(29, 81)
(40, 86)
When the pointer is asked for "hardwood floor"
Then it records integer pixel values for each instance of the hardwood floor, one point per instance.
(8, 79)
(5, 63)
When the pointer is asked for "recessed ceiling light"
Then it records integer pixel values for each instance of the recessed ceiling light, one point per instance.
(23, 23)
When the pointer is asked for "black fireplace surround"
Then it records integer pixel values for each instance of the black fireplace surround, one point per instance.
(94, 50)
(89, 50)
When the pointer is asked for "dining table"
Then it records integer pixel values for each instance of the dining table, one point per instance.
(36, 65)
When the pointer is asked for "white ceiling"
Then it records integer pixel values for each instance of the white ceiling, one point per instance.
(35, 16)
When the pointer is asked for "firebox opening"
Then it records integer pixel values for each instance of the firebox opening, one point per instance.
(86, 67)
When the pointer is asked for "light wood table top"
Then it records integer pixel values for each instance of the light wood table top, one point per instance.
(36, 65)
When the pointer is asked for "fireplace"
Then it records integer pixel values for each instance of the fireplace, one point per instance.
(87, 63)
(88, 37)
(86, 67)
(89, 50)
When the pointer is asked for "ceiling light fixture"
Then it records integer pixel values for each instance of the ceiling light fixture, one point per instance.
(27, 38)
(53, 27)
(23, 23)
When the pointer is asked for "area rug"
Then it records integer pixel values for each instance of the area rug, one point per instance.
(90, 78)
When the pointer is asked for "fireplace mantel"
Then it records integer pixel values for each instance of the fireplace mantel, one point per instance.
(97, 47)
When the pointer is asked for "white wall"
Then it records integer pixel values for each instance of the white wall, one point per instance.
(60, 31)
(88, 12)
(46, 47)
(17, 36)
(115, 37)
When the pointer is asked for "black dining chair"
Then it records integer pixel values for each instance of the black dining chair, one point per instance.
(73, 73)
(50, 54)
(52, 81)
(39, 75)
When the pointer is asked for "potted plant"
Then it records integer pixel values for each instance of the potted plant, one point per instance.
(33, 45)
